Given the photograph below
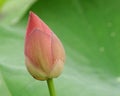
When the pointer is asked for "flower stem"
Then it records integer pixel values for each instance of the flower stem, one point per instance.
(51, 88)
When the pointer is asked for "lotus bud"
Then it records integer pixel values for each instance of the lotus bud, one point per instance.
(44, 52)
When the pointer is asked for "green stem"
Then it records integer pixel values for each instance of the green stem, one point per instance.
(51, 88)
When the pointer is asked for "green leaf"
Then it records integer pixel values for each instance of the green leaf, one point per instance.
(2, 3)
(13, 10)
(89, 30)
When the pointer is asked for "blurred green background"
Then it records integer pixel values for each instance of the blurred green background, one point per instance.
(90, 32)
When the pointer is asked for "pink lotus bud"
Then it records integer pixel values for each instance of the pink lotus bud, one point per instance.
(44, 53)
